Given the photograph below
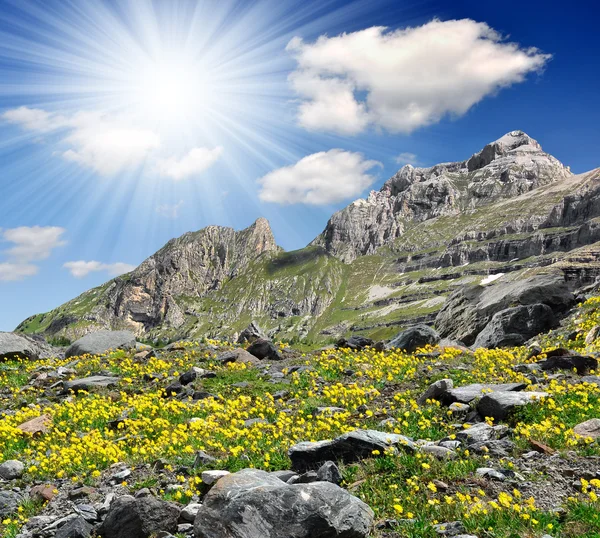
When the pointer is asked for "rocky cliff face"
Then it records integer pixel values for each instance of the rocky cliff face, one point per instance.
(508, 167)
(191, 266)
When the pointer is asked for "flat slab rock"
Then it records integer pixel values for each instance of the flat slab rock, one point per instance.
(87, 383)
(468, 393)
(255, 504)
(499, 405)
(352, 446)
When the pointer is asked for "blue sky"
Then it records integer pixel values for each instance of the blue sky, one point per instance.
(124, 124)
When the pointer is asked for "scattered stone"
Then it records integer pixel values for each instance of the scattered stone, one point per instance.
(582, 364)
(414, 338)
(210, 477)
(459, 409)
(330, 472)
(11, 470)
(76, 528)
(355, 343)
(9, 501)
(436, 390)
(189, 512)
(352, 446)
(253, 503)
(264, 349)
(488, 472)
(43, 492)
(89, 383)
(592, 335)
(454, 528)
(499, 405)
(284, 476)
(36, 425)
(237, 355)
(478, 433)
(129, 517)
(202, 458)
(188, 377)
(100, 342)
(593, 379)
(589, 428)
(439, 452)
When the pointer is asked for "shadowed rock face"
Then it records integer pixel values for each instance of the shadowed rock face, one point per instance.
(508, 167)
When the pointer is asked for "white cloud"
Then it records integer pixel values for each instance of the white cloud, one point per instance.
(30, 244)
(171, 211)
(81, 268)
(320, 178)
(196, 161)
(33, 243)
(410, 78)
(12, 272)
(34, 119)
(110, 144)
(407, 158)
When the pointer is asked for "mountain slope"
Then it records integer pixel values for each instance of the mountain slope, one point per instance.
(506, 213)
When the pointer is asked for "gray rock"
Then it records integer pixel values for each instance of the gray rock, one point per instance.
(264, 349)
(329, 472)
(592, 335)
(478, 433)
(9, 502)
(100, 342)
(189, 512)
(76, 528)
(594, 379)
(250, 334)
(355, 342)
(582, 364)
(352, 446)
(20, 346)
(253, 504)
(11, 469)
(439, 452)
(488, 472)
(415, 337)
(236, 355)
(202, 458)
(468, 393)
(589, 428)
(436, 390)
(454, 528)
(89, 383)
(514, 326)
(210, 477)
(129, 517)
(284, 476)
(499, 405)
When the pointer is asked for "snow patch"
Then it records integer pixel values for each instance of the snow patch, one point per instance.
(491, 278)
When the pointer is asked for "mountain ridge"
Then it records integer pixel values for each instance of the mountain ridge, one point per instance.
(381, 263)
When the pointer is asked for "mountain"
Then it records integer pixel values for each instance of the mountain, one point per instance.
(507, 213)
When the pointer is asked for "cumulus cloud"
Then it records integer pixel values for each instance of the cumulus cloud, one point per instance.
(81, 268)
(170, 211)
(321, 178)
(109, 144)
(405, 79)
(196, 161)
(29, 244)
(407, 158)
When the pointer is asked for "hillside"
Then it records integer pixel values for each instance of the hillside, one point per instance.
(508, 212)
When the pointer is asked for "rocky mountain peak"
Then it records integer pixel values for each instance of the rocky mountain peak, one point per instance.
(508, 167)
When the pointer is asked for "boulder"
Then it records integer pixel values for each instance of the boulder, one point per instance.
(352, 446)
(469, 309)
(236, 355)
(89, 383)
(76, 528)
(36, 425)
(255, 504)
(355, 342)
(130, 517)
(9, 502)
(329, 472)
(415, 337)
(100, 342)
(480, 433)
(589, 428)
(264, 349)
(514, 326)
(499, 405)
(250, 334)
(20, 346)
(436, 390)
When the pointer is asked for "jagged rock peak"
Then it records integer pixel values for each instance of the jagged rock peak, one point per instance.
(508, 167)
